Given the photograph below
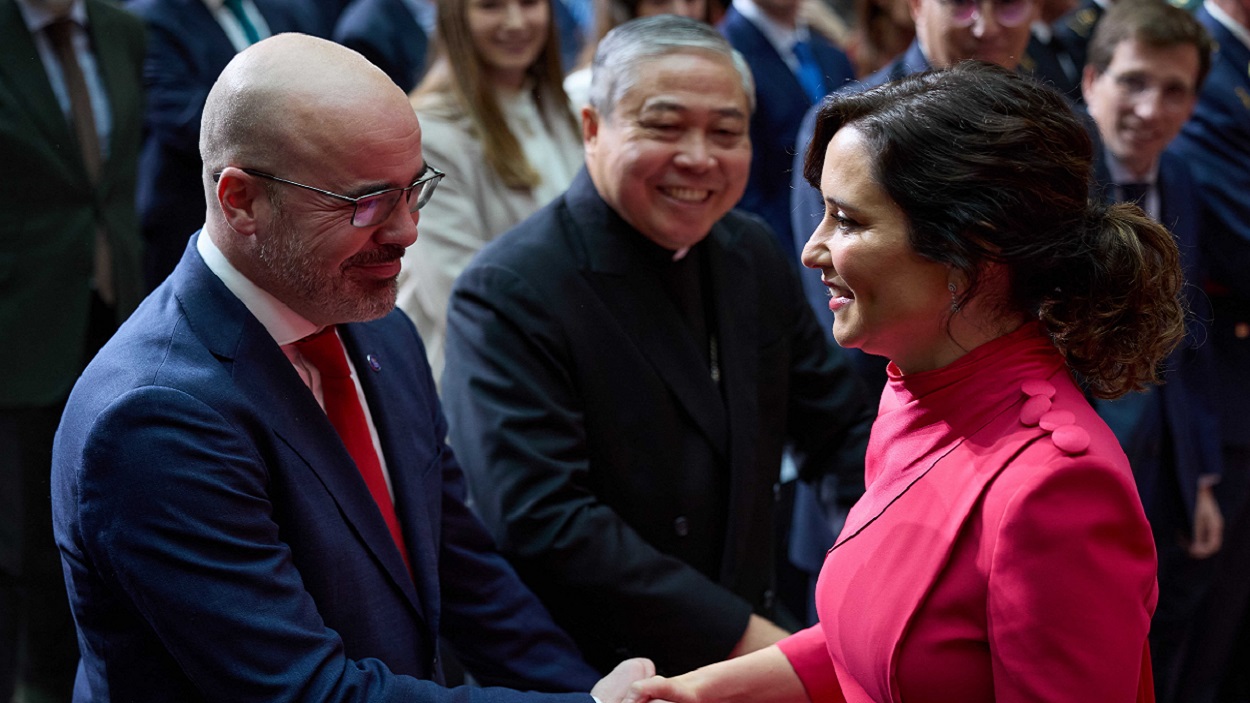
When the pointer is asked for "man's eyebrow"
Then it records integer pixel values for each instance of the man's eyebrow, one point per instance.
(371, 188)
(672, 106)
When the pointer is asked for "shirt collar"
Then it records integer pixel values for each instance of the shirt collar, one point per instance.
(1242, 33)
(782, 38)
(38, 18)
(283, 324)
(1120, 173)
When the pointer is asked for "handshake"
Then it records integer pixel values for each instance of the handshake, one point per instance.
(632, 681)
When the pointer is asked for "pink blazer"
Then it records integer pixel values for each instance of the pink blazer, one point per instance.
(999, 554)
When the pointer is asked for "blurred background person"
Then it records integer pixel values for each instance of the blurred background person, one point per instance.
(495, 116)
(1147, 60)
(1000, 552)
(1045, 57)
(1215, 142)
(794, 67)
(189, 43)
(607, 15)
(883, 30)
(393, 34)
(71, 110)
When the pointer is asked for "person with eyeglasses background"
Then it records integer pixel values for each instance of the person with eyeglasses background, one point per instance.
(1147, 61)
(253, 496)
(495, 115)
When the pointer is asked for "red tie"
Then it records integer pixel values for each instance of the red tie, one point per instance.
(342, 405)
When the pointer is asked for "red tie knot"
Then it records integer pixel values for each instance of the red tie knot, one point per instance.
(324, 351)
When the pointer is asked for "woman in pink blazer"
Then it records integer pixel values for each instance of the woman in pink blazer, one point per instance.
(1000, 552)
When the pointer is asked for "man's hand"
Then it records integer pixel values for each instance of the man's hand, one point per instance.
(613, 687)
(759, 634)
(1208, 525)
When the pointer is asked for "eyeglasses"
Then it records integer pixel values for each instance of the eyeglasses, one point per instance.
(1008, 13)
(373, 208)
(1136, 86)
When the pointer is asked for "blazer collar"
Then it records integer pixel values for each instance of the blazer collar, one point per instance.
(628, 285)
(22, 69)
(262, 373)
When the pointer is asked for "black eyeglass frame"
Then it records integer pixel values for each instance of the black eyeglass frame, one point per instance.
(427, 182)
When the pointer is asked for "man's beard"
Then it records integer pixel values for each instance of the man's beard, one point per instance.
(324, 297)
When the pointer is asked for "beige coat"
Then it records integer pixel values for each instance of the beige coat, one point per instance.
(471, 208)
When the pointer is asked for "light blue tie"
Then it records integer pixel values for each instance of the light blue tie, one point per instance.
(810, 76)
(249, 29)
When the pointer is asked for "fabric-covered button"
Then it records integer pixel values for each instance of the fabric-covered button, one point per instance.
(1033, 410)
(1071, 439)
(1055, 419)
(1036, 386)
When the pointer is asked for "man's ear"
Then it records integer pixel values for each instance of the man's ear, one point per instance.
(242, 200)
(590, 127)
(1088, 76)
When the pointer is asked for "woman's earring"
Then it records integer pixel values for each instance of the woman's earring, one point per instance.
(954, 301)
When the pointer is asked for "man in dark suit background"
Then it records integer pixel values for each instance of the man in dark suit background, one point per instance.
(793, 67)
(394, 34)
(1147, 60)
(243, 512)
(1215, 142)
(625, 367)
(189, 42)
(70, 118)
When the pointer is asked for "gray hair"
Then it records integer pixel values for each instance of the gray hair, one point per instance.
(622, 52)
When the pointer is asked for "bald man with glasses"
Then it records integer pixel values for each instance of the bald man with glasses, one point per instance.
(252, 495)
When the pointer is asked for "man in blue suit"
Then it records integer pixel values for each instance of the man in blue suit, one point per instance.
(1216, 144)
(393, 34)
(189, 42)
(1147, 60)
(223, 537)
(794, 67)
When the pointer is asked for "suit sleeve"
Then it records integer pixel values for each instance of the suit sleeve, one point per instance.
(174, 512)
(1071, 586)
(498, 627)
(519, 427)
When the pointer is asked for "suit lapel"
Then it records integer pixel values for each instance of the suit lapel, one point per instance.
(263, 374)
(774, 67)
(628, 286)
(23, 70)
(401, 426)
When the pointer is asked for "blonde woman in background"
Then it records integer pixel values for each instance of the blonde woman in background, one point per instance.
(495, 117)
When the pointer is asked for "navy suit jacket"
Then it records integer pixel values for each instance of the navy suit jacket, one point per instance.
(1048, 62)
(187, 50)
(1073, 31)
(219, 544)
(1215, 142)
(779, 106)
(386, 33)
(1170, 432)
